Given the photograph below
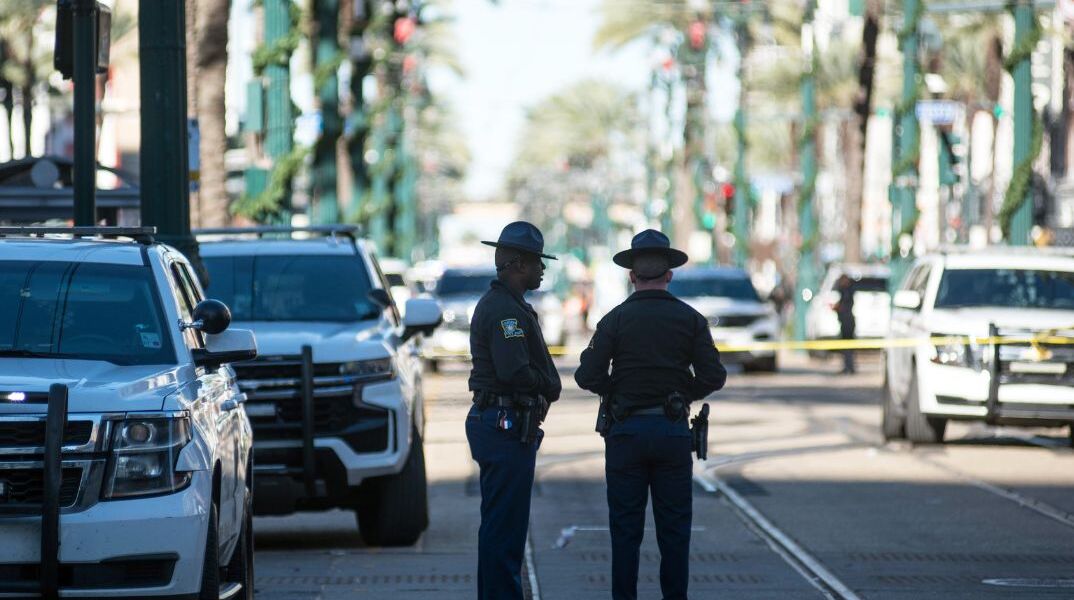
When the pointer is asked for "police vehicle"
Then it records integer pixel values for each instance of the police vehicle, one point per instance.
(335, 396)
(872, 303)
(996, 331)
(125, 452)
(736, 315)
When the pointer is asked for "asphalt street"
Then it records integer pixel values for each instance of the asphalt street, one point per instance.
(800, 498)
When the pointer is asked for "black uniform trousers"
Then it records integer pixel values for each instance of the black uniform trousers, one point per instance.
(507, 468)
(649, 454)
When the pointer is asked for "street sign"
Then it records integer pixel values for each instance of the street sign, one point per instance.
(938, 112)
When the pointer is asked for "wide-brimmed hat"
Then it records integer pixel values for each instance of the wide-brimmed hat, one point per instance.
(523, 236)
(650, 241)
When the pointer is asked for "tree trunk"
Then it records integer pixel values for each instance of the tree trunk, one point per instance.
(855, 134)
(212, 33)
(28, 94)
(192, 75)
(853, 143)
(993, 79)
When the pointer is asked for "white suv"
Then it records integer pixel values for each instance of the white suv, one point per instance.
(335, 396)
(952, 302)
(124, 447)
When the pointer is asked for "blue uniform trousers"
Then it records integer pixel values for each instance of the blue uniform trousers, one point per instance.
(507, 468)
(643, 455)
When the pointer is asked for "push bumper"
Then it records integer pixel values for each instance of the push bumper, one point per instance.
(965, 393)
(140, 548)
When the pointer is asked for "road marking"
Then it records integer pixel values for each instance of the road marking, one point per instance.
(797, 557)
(531, 571)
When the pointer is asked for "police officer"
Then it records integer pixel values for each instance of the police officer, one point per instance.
(650, 341)
(844, 309)
(513, 380)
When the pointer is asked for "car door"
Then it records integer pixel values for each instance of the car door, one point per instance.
(216, 388)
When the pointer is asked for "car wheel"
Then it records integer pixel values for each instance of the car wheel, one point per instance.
(767, 364)
(432, 365)
(921, 428)
(892, 424)
(210, 570)
(394, 511)
(240, 569)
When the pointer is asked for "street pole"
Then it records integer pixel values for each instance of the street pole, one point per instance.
(904, 169)
(806, 280)
(326, 55)
(1022, 219)
(165, 182)
(85, 74)
(742, 183)
(279, 134)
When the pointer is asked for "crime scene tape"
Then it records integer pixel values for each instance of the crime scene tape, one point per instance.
(1039, 341)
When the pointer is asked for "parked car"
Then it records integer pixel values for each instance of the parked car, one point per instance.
(458, 291)
(736, 314)
(114, 376)
(872, 303)
(336, 396)
(950, 301)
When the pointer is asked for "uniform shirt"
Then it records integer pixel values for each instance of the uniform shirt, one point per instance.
(508, 349)
(651, 340)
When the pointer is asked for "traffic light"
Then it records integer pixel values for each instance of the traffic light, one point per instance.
(727, 191)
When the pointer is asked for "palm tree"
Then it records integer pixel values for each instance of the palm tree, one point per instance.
(26, 64)
(212, 40)
(857, 133)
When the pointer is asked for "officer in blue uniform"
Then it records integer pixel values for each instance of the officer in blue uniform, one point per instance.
(513, 380)
(661, 356)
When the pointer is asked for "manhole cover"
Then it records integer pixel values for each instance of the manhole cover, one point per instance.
(1031, 582)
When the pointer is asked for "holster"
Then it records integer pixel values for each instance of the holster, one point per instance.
(604, 416)
(531, 411)
(699, 432)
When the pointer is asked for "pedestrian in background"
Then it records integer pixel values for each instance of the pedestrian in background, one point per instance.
(513, 380)
(650, 342)
(844, 309)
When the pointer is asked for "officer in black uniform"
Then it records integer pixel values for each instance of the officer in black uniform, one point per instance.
(650, 341)
(513, 380)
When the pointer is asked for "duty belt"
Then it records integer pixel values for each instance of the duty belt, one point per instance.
(488, 399)
(648, 411)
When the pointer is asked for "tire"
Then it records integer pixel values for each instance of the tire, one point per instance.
(767, 364)
(240, 569)
(432, 365)
(892, 424)
(921, 428)
(394, 511)
(210, 570)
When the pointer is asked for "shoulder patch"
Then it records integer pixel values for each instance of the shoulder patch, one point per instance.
(511, 328)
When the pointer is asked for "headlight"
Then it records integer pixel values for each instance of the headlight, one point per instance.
(957, 353)
(144, 452)
(449, 316)
(368, 369)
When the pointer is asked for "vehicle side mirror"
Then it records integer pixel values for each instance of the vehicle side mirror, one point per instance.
(211, 316)
(423, 315)
(233, 345)
(908, 299)
(381, 298)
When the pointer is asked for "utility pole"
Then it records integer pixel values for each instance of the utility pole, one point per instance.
(903, 191)
(806, 280)
(85, 15)
(741, 223)
(1022, 219)
(279, 134)
(326, 61)
(165, 182)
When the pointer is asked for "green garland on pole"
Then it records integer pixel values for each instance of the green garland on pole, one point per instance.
(1021, 178)
(280, 51)
(267, 203)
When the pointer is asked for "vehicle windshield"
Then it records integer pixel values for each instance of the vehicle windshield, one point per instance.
(292, 288)
(85, 311)
(870, 284)
(736, 288)
(1015, 288)
(458, 283)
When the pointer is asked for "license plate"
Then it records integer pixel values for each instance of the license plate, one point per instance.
(260, 410)
(1038, 368)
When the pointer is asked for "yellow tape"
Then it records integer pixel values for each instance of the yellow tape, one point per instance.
(1044, 338)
